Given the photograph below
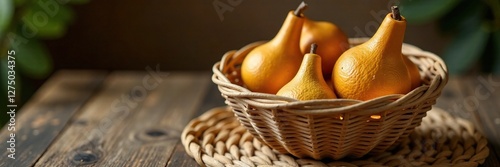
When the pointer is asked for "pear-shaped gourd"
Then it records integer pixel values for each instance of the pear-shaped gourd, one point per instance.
(308, 83)
(271, 65)
(416, 81)
(376, 67)
(330, 37)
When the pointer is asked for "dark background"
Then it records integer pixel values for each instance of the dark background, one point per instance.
(189, 35)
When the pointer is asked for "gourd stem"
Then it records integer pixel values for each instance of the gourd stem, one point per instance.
(395, 13)
(314, 46)
(298, 12)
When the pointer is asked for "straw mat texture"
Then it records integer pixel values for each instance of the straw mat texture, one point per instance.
(216, 138)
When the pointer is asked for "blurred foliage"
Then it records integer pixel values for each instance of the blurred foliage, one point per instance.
(474, 26)
(23, 26)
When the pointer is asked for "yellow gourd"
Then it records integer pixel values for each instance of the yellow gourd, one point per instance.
(271, 65)
(308, 83)
(376, 67)
(416, 81)
(330, 37)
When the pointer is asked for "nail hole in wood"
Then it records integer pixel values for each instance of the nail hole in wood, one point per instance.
(87, 153)
(83, 158)
(155, 133)
(152, 135)
(137, 94)
(81, 122)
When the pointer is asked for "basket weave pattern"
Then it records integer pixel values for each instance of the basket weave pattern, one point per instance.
(330, 128)
(217, 139)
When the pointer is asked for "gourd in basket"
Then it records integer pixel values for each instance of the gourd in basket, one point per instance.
(376, 67)
(308, 83)
(330, 128)
(271, 65)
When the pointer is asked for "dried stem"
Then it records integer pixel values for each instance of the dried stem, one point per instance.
(298, 12)
(314, 46)
(395, 13)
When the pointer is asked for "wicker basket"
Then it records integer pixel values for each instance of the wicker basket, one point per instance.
(331, 128)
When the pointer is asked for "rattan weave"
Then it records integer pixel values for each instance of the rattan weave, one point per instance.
(333, 128)
(216, 138)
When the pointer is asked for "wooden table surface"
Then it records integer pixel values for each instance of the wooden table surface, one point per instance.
(135, 118)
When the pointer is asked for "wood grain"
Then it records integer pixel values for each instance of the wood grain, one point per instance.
(452, 98)
(123, 126)
(471, 98)
(181, 158)
(211, 100)
(41, 120)
(134, 118)
(483, 97)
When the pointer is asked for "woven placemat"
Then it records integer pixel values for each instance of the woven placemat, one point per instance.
(217, 139)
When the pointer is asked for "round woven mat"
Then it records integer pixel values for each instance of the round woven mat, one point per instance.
(217, 139)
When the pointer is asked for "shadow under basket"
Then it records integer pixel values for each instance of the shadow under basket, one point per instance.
(330, 128)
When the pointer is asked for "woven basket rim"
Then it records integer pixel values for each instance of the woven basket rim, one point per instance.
(337, 105)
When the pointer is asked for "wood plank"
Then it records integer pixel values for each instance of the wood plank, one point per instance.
(42, 118)
(123, 126)
(212, 99)
(483, 99)
(448, 95)
(456, 98)
(452, 97)
(181, 158)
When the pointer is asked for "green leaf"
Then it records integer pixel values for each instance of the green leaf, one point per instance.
(421, 11)
(48, 25)
(6, 11)
(465, 50)
(496, 51)
(57, 25)
(464, 14)
(79, 2)
(33, 59)
(3, 85)
(19, 2)
(52, 30)
(65, 14)
(3, 74)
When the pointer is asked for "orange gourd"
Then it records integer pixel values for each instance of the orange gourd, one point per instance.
(271, 65)
(416, 81)
(308, 83)
(330, 37)
(376, 67)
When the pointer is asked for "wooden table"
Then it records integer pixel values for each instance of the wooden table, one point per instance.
(135, 118)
